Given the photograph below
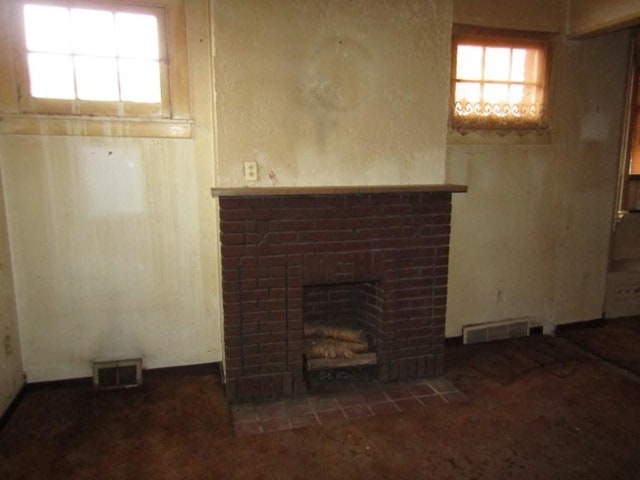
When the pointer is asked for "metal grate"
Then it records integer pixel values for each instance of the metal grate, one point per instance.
(486, 332)
(117, 374)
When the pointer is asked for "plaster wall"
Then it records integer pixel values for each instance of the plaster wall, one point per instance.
(332, 92)
(11, 373)
(113, 240)
(590, 124)
(531, 236)
(588, 17)
(538, 16)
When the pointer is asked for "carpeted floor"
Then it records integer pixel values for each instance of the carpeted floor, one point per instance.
(538, 408)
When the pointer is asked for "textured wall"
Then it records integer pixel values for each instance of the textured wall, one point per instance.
(11, 375)
(322, 92)
(530, 238)
(540, 16)
(113, 240)
(332, 92)
(591, 16)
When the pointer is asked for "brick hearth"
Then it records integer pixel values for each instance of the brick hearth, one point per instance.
(277, 244)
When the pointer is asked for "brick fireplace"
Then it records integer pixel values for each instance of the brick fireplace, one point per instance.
(377, 256)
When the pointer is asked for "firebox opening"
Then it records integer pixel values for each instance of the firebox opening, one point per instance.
(341, 324)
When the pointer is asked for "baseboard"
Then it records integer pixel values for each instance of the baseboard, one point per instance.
(59, 384)
(13, 405)
(87, 382)
(196, 369)
(453, 341)
(595, 323)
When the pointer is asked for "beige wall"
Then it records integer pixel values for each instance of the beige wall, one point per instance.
(11, 373)
(530, 238)
(538, 16)
(588, 17)
(590, 114)
(332, 93)
(113, 240)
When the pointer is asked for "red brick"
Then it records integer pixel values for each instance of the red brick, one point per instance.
(232, 227)
(272, 261)
(297, 225)
(341, 231)
(230, 263)
(232, 238)
(235, 214)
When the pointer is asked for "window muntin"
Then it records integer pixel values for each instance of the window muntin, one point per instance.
(498, 83)
(94, 59)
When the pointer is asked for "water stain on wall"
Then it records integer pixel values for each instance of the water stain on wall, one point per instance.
(337, 78)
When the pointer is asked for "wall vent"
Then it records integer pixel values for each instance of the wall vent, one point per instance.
(486, 332)
(117, 374)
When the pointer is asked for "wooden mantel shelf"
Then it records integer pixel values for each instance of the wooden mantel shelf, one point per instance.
(338, 190)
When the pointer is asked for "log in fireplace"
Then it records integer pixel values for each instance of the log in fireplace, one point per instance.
(372, 258)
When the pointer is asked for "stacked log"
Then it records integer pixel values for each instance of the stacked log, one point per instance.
(327, 341)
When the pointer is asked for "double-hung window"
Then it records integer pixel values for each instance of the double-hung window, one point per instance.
(499, 82)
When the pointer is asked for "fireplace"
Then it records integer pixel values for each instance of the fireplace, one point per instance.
(341, 324)
(373, 258)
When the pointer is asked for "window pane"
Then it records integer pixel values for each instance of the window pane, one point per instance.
(518, 65)
(140, 81)
(97, 78)
(469, 62)
(93, 32)
(533, 66)
(51, 76)
(93, 54)
(497, 63)
(137, 36)
(469, 92)
(496, 93)
(532, 95)
(47, 29)
(516, 94)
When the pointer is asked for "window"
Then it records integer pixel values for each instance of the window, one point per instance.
(90, 60)
(498, 82)
(88, 54)
(93, 60)
(629, 197)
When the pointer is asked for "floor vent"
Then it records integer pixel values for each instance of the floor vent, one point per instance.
(486, 332)
(117, 374)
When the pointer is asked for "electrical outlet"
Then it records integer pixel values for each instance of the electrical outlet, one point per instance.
(251, 171)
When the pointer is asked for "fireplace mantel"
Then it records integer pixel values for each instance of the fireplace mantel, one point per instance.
(335, 190)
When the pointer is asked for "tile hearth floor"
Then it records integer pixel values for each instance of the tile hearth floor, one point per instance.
(350, 402)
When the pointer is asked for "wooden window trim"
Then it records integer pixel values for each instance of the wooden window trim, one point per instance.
(63, 117)
(507, 39)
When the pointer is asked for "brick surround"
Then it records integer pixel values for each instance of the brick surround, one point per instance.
(279, 249)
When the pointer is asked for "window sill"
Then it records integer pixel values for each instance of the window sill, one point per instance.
(488, 138)
(94, 126)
